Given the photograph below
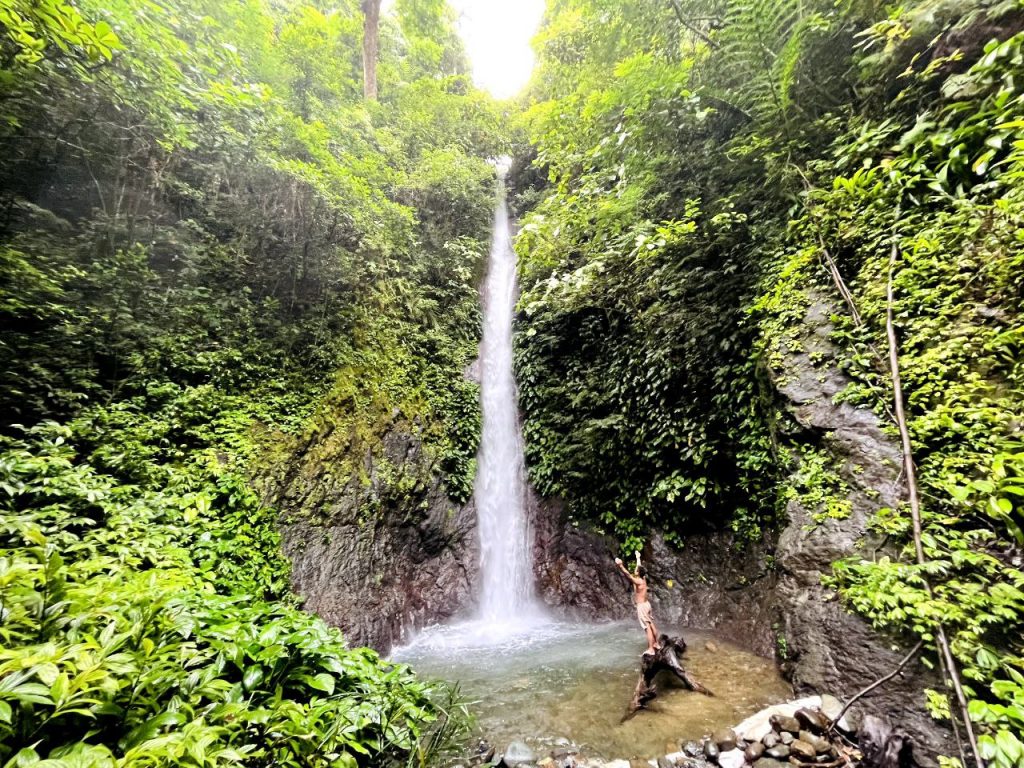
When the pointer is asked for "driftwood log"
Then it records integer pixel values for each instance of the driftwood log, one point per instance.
(665, 659)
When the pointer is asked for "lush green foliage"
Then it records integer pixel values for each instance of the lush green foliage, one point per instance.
(701, 161)
(210, 245)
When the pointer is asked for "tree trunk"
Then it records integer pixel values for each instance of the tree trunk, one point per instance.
(371, 46)
(665, 659)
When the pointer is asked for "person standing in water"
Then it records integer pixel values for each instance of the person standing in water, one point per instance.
(643, 607)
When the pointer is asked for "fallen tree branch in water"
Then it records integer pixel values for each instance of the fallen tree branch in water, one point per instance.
(665, 659)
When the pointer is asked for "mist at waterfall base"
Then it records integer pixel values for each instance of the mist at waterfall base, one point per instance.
(532, 677)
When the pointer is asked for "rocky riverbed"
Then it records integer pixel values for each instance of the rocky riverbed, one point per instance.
(811, 731)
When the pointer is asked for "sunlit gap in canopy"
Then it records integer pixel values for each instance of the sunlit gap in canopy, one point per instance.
(497, 36)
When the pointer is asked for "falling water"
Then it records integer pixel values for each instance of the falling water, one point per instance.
(500, 487)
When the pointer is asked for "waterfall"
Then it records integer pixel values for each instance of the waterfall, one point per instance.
(500, 487)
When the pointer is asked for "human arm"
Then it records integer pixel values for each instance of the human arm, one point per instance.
(622, 567)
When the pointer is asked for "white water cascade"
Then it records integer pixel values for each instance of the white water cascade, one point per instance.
(506, 590)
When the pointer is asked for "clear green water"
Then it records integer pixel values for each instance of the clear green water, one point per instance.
(556, 680)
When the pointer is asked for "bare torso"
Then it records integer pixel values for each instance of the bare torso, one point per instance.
(640, 591)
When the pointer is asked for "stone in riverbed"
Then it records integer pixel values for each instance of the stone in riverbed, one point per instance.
(771, 739)
(711, 750)
(785, 723)
(691, 748)
(768, 762)
(802, 751)
(664, 762)
(831, 707)
(517, 753)
(813, 721)
(755, 727)
(731, 758)
(754, 751)
(725, 738)
(710, 645)
(819, 743)
(787, 738)
(778, 752)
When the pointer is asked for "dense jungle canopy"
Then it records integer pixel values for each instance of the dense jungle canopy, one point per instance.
(229, 226)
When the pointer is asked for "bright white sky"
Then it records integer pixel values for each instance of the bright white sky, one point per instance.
(497, 35)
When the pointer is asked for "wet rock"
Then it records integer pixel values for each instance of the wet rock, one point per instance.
(802, 751)
(755, 727)
(771, 739)
(819, 743)
(768, 762)
(518, 754)
(731, 758)
(711, 646)
(831, 706)
(754, 751)
(779, 752)
(725, 738)
(784, 723)
(814, 721)
(711, 750)
(692, 749)
(787, 738)
(376, 582)
(664, 762)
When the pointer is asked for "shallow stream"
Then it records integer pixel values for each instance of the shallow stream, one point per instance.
(573, 681)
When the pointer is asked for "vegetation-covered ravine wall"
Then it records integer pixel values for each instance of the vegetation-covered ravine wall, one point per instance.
(214, 248)
(715, 198)
(241, 245)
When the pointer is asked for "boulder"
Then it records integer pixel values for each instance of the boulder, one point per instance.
(518, 753)
(758, 725)
(731, 758)
(785, 724)
(813, 720)
(754, 751)
(778, 752)
(803, 751)
(819, 743)
(725, 738)
(711, 750)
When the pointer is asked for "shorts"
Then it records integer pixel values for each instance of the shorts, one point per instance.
(643, 612)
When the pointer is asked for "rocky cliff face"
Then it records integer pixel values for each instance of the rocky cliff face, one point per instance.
(827, 648)
(710, 584)
(381, 553)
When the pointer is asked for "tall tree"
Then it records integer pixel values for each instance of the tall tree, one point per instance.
(371, 45)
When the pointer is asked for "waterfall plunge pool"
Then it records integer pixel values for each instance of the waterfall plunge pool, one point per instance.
(551, 680)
